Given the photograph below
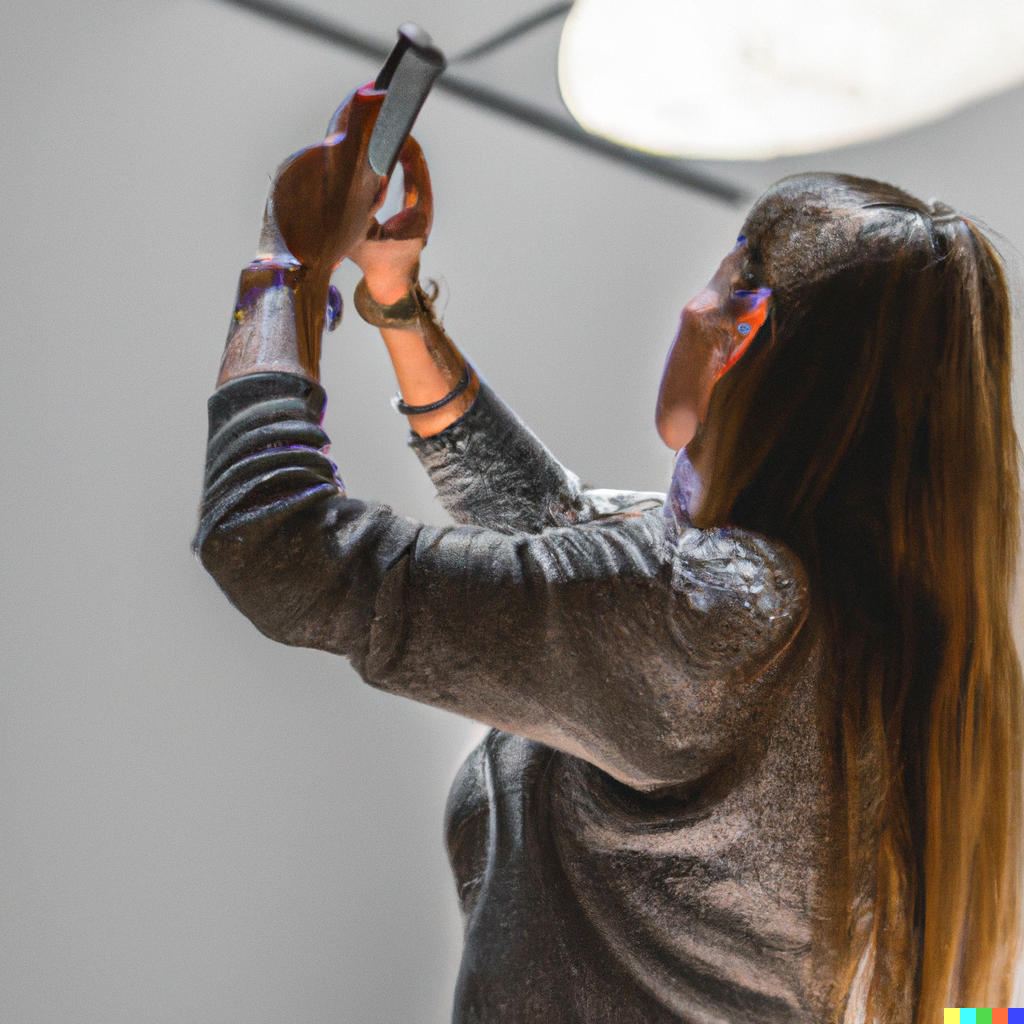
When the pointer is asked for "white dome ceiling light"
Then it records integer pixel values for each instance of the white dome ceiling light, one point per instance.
(753, 79)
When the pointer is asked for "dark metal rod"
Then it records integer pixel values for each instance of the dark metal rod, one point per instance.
(507, 35)
(674, 171)
(561, 127)
(314, 25)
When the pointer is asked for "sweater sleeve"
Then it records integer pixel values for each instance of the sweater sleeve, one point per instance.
(646, 653)
(491, 470)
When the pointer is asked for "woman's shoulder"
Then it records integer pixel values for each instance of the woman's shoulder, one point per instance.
(762, 574)
(719, 568)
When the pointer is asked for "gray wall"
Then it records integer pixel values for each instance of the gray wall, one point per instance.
(198, 825)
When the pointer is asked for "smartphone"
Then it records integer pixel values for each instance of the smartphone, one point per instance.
(410, 70)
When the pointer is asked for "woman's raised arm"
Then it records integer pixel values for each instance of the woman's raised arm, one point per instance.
(649, 655)
(487, 465)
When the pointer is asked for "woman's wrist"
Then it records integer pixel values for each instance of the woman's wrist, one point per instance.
(264, 333)
(403, 314)
(262, 337)
(436, 384)
(391, 288)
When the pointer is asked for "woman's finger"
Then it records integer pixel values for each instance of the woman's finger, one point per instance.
(416, 217)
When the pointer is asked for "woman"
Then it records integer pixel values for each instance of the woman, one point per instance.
(756, 756)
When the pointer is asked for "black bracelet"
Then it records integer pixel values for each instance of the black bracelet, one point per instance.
(418, 410)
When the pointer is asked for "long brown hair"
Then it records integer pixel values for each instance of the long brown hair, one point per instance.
(869, 427)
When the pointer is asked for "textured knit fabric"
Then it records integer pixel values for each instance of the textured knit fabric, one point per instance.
(643, 836)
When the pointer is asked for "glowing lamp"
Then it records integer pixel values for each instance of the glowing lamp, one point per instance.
(753, 79)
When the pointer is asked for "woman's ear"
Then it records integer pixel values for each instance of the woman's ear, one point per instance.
(750, 318)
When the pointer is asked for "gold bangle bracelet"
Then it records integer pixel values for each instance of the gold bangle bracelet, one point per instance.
(400, 315)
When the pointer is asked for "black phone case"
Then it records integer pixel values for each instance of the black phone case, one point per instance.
(407, 76)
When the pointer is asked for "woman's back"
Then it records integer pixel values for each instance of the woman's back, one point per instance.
(588, 900)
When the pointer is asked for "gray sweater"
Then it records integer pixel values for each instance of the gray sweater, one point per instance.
(645, 834)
